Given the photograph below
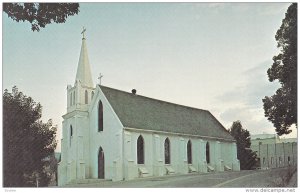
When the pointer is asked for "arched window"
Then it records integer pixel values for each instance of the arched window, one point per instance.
(207, 153)
(100, 116)
(189, 152)
(71, 97)
(86, 97)
(140, 150)
(167, 151)
(101, 163)
(74, 98)
(92, 95)
(71, 133)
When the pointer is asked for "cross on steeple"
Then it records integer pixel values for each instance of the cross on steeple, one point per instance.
(83, 30)
(100, 76)
(83, 69)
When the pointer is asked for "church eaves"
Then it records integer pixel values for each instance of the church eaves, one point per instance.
(84, 70)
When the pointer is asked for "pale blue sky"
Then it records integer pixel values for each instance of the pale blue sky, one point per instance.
(211, 56)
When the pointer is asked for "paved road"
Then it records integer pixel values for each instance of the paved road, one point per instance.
(257, 178)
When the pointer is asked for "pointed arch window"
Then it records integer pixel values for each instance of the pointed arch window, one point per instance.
(207, 153)
(92, 95)
(189, 152)
(86, 97)
(74, 98)
(101, 164)
(140, 150)
(167, 151)
(71, 98)
(71, 133)
(100, 116)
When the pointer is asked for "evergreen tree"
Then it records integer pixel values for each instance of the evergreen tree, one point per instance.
(27, 141)
(246, 156)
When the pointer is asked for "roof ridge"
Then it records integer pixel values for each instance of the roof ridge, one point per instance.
(156, 99)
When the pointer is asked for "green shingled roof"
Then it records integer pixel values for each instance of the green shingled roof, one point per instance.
(135, 111)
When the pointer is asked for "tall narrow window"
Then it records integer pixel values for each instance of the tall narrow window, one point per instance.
(92, 95)
(86, 97)
(207, 153)
(167, 151)
(100, 116)
(74, 98)
(101, 162)
(71, 133)
(71, 98)
(140, 150)
(189, 152)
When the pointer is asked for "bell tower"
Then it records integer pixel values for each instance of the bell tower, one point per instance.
(74, 156)
(81, 94)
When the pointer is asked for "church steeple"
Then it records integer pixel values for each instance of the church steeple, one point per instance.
(84, 70)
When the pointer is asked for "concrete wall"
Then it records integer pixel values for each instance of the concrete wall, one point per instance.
(276, 155)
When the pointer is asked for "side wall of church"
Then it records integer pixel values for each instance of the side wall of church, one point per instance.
(110, 139)
(228, 153)
(221, 154)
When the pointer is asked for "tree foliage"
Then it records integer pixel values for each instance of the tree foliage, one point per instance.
(40, 14)
(281, 108)
(247, 157)
(27, 141)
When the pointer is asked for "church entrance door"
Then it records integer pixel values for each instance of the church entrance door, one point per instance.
(101, 164)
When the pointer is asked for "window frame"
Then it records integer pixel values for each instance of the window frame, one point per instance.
(167, 151)
(86, 97)
(100, 117)
(189, 152)
(140, 150)
(207, 152)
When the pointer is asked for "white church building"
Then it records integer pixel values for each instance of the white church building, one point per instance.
(116, 135)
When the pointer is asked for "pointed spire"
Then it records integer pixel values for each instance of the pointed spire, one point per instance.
(84, 70)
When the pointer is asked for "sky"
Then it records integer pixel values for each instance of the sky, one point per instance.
(211, 56)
